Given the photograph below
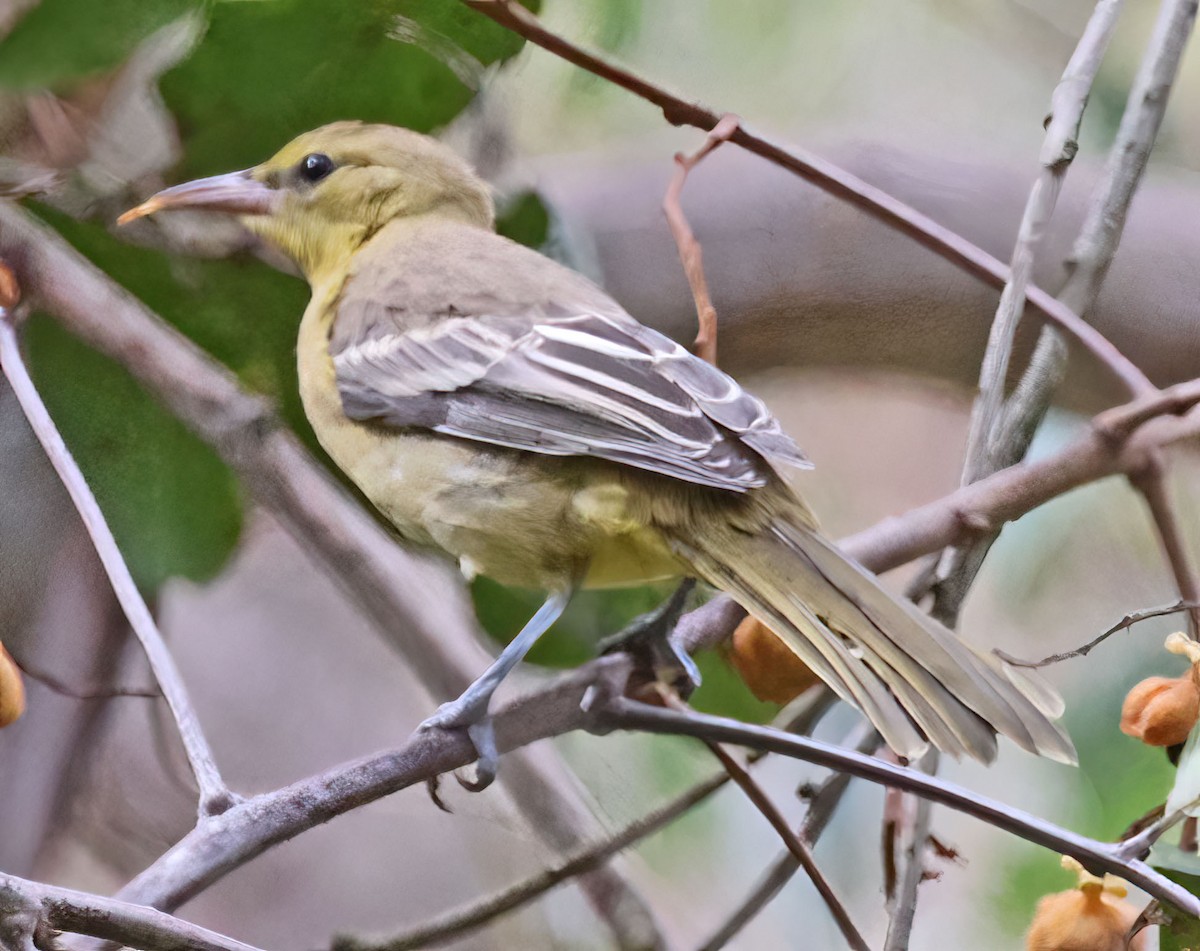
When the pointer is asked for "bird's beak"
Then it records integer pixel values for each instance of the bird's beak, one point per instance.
(235, 192)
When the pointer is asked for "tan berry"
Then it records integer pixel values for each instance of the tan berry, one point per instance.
(12, 690)
(1092, 916)
(766, 664)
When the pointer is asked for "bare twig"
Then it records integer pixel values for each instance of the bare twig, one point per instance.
(64, 689)
(1122, 625)
(690, 253)
(1094, 250)
(215, 797)
(990, 445)
(798, 849)
(1138, 846)
(821, 807)
(1058, 150)
(468, 918)
(335, 530)
(903, 908)
(1152, 482)
(621, 713)
(133, 926)
(827, 176)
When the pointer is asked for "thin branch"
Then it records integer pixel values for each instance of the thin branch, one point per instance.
(133, 926)
(1138, 846)
(1155, 489)
(1096, 246)
(830, 178)
(215, 796)
(690, 252)
(1122, 625)
(623, 714)
(904, 907)
(64, 689)
(798, 849)
(470, 917)
(389, 586)
(821, 807)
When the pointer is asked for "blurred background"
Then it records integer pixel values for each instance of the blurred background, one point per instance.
(865, 345)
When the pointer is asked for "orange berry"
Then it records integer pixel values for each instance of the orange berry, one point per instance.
(766, 664)
(1092, 916)
(1161, 711)
(12, 690)
(10, 290)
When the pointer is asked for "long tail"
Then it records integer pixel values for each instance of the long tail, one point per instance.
(914, 679)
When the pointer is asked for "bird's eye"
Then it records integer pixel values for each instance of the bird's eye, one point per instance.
(316, 166)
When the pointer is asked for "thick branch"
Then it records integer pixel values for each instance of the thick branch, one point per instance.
(133, 926)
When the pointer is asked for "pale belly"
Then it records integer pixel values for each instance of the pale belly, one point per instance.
(521, 518)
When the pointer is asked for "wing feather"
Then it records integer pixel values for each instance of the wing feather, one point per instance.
(565, 383)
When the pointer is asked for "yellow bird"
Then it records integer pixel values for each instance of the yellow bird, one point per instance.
(502, 408)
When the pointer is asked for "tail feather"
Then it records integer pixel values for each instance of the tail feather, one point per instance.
(914, 679)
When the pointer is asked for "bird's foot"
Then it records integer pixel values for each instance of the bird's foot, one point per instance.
(470, 713)
(657, 657)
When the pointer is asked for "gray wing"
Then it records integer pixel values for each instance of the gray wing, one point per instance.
(594, 384)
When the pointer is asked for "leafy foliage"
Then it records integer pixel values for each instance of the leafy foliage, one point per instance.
(61, 41)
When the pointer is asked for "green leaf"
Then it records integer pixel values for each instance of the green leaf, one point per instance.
(59, 41)
(524, 218)
(590, 617)
(269, 70)
(171, 504)
(174, 507)
(595, 615)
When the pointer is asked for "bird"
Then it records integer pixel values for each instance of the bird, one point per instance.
(501, 408)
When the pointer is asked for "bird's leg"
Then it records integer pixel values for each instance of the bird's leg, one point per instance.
(471, 709)
(649, 640)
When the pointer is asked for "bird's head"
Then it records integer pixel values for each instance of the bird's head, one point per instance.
(326, 192)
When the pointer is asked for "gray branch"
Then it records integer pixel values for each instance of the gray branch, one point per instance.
(32, 907)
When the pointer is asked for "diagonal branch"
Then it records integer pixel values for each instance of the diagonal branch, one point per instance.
(828, 177)
(796, 846)
(460, 921)
(821, 807)
(801, 717)
(215, 796)
(618, 713)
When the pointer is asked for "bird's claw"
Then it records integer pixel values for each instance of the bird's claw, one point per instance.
(456, 714)
(481, 728)
(657, 656)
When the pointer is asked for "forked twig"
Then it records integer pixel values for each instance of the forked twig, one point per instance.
(690, 253)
